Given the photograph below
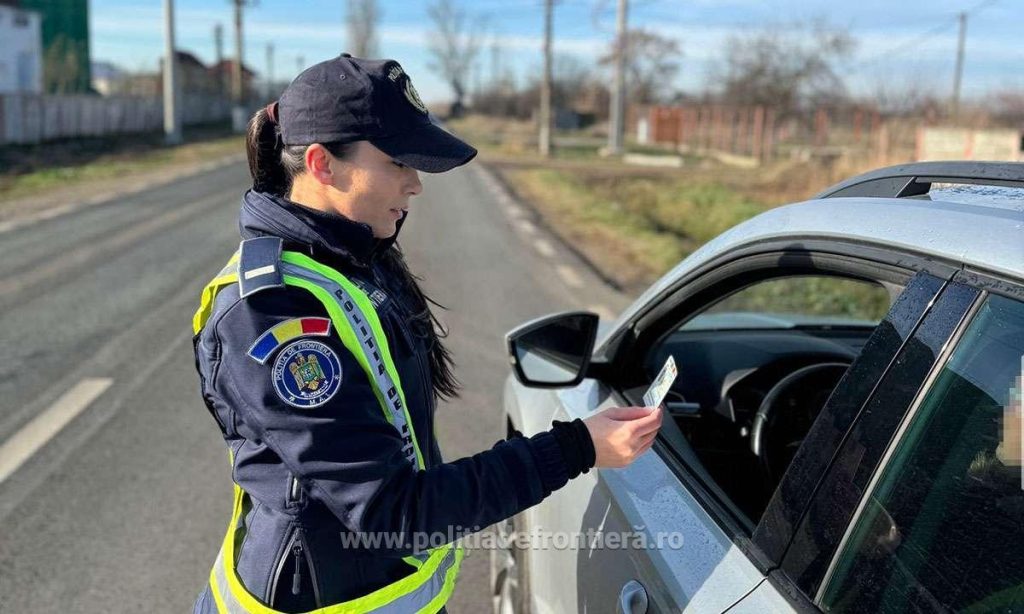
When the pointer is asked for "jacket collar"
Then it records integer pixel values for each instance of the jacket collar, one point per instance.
(323, 233)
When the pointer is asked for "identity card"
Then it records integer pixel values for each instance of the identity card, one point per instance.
(656, 393)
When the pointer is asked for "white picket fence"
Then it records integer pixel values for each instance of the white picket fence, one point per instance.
(33, 118)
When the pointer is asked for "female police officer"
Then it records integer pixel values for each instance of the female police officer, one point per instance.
(319, 359)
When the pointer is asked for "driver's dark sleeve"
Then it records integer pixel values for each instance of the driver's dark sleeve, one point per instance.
(349, 457)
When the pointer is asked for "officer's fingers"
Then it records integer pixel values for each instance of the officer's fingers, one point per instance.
(649, 423)
(643, 442)
(625, 413)
(646, 447)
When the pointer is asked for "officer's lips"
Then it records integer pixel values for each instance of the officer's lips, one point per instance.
(400, 212)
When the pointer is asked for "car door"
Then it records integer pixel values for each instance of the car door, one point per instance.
(648, 540)
(927, 436)
(666, 501)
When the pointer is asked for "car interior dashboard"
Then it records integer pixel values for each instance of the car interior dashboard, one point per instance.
(744, 400)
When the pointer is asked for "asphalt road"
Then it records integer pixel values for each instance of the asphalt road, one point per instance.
(119, 491)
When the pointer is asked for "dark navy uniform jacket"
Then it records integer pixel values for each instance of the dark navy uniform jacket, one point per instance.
(314, 474)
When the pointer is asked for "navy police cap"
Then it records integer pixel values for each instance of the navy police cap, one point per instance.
(347, 99)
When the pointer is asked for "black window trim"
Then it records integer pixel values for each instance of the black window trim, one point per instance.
(769, 259)
(896, 437)
(794, 553)
(869, 254)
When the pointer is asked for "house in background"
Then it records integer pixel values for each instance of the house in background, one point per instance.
(107, 78)
(223, 70)
(21, 53)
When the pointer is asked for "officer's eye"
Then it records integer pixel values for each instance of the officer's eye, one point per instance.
(398, 164)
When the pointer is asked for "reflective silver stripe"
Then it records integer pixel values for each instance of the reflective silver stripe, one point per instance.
(221, 591)
(231, 267)
(364, 334)
(417, 599)
(413, 601)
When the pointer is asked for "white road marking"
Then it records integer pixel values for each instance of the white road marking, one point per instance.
(27, 441)
(569, 276)
(545, 248)
(515, 211)
(526, 226)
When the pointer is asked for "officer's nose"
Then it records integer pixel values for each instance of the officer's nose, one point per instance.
(415, 187)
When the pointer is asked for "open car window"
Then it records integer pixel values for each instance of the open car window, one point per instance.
(794, 302)
(756, 367)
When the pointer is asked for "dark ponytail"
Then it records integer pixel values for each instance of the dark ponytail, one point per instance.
(263, 147)
(426, 325)
(271, 164)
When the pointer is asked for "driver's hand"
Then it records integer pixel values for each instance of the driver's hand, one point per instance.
(621, 434)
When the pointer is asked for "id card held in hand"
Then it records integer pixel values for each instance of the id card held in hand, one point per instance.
(656, 393)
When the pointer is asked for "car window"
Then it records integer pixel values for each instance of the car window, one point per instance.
(790, 302)
(943, 525)
(757, 367)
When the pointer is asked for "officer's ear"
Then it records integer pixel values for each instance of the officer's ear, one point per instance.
(318, 164)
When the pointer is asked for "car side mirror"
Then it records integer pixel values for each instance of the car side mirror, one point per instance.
(553, 351)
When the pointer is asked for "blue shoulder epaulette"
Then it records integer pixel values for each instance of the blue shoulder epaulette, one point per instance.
(259, 265)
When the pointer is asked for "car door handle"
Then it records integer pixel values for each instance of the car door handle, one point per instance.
(633, 598)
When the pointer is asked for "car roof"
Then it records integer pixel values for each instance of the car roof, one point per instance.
(986, 231)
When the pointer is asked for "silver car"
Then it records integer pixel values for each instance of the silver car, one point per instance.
(845, 429)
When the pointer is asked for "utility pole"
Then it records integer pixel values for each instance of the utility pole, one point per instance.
(218, 45)
(270, 71)
(617, 121)
(959, 71)
(544, 140)
(237, 82)
(495, 64)
(172, 121)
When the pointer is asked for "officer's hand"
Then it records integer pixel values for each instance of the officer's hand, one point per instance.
(621, 434)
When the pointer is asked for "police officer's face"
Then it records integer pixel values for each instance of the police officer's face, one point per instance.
(371, 187)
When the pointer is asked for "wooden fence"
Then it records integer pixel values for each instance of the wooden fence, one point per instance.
(761, 133)
(32, 118)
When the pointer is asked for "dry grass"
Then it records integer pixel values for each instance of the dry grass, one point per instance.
(634, 228)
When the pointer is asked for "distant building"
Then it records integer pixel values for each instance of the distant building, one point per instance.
(194, 77)
(21, 54)
(65, 28)
(223, 71)
(107, 79)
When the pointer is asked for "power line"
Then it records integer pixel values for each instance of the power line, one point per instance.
(906, 45)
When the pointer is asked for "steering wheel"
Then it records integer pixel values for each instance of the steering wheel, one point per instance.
(789, 408)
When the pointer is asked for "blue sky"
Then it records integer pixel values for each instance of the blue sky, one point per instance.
(901, 43)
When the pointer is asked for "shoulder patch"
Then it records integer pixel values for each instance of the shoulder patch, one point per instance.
(259, 265)
(307, 373)
(283, 332)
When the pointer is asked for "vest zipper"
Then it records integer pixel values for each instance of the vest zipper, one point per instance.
(297, 574)
(296, 579)
(299, 551)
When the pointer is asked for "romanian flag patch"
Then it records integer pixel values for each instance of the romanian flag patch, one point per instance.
(283, 332)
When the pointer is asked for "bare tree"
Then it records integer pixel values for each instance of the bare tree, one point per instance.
(1007, 106)
(361, 24)
(913, 95)
(454, 44)
(652, 63)
(784, 67)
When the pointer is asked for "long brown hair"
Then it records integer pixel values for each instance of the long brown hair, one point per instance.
(274, 166)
